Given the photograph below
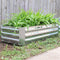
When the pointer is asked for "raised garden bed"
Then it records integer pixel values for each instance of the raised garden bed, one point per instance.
(24, 34)
(28, 26)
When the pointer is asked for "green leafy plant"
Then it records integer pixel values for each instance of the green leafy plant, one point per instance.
(6, 47)
(29, 18)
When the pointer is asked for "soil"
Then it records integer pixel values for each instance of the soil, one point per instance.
(3, 46)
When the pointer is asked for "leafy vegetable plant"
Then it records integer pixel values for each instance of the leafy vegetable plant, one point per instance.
(29, 18)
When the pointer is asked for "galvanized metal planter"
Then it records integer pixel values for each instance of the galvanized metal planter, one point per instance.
(24, 34)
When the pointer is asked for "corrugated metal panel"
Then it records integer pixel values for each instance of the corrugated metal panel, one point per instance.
(9, 33)
(9, 28)
(40, 27)
(25, 34)
(42, 36)
(40, 32)
(9, 38)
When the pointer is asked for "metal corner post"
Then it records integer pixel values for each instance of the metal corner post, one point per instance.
(22, 36)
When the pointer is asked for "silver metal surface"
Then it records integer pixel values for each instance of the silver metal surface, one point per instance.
(40, 32)
(9, 28)
(9, 33)
(32, 34)
(9, 38)
(41, 36)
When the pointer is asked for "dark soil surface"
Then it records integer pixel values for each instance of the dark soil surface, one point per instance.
(3, 46)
